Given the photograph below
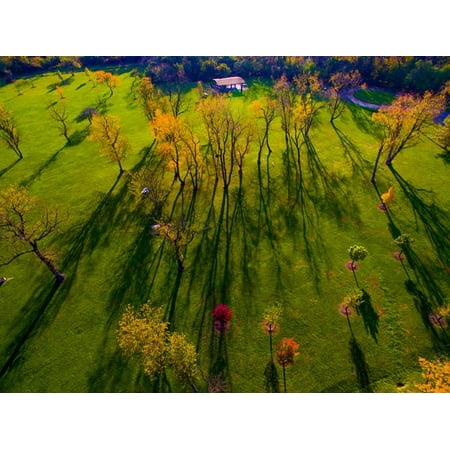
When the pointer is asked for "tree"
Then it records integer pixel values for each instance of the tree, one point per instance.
(143, 333)
(112, 81)
(105, 130)
(152, 99)
(271, 320)
(229, 137)
(352, 301)
(178, 146)
(404, 241)
(148, 186)
(339, 84)
(179, 234)
(59, 114)
(265, 110)
(23, 230)
(222, 315)
(9, 132)
(436, 375)
(60, 92)
(402, 123)
(285, 352)
(356, 253)
(285, 96)
(443, 135)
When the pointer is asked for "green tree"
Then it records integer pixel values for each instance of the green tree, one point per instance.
(24, 224)
(403, 241)
(356, 253)
(271, 319)
(9, 132)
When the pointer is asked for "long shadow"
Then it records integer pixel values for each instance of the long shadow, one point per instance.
(424, 307)
(6, 169)
(360, 364)
(369, 315)
(363, 119)
(358, 359)
(219, 367)
(271, 378)
(434, 219)
(359, 164)
(28, 181)
(36, 313)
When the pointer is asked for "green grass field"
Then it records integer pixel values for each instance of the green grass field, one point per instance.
(275, 239)
(374, 97)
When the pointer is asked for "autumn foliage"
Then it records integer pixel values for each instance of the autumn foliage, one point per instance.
(286, 351)
(436, 375)
(222, 315)
(145, 334)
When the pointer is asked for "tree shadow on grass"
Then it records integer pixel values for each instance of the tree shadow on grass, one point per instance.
(50, 161)
(360, 365)
(271, 378)
(424, 307)
(363, 119)
(6, 169)
(39, 311)
(360, 165)
(219, 368)
(434, 219)
(369, 315)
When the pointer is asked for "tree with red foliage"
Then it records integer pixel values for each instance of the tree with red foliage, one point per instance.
(222, 315)
(285, 353)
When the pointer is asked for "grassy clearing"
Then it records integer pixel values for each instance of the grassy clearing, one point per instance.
(374, 97)
(274, 240)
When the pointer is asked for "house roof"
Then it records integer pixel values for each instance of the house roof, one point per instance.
(229, 80)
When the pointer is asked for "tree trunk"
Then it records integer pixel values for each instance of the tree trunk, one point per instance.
(284, 379)
(372, 179)
(58, 275)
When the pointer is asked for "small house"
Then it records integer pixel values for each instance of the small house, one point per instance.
(229, 84)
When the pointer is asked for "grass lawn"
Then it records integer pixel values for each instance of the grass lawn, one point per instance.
(374, 96)
(277, 238)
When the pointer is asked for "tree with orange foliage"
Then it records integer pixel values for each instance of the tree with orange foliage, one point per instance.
(402, 123)
(60, 92)
(285, 352)
(179, 147)
(105, 130)
(112, 81)
(436, 375)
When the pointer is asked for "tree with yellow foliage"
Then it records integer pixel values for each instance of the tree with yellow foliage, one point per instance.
(179, 234)
(436, 375)
(112, 81)
(402, 123)
(105, 130)
(23, 229)
(152, 99)
(9, 132)
(145, 334)
(229, 137)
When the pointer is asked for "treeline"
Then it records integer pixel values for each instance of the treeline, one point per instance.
(407, 73)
